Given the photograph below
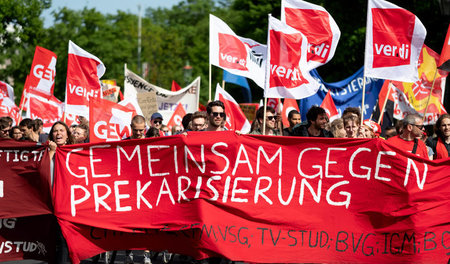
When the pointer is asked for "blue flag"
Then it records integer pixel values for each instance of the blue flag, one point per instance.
(241, 81)
(345, 93)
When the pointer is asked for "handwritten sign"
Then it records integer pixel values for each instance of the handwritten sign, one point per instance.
(147, 102)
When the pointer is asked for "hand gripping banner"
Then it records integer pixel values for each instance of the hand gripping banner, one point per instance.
(221, 194)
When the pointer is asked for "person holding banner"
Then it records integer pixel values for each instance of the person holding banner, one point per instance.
(441, 143)
(317, 121)
(271, 119)
(351, 126)
(294, 118)
(59, 136)
(409, 138)
(216, 116)
(198, 121)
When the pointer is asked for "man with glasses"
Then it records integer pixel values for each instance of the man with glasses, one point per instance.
(216, 116)
(198, 121)
(4, 128)
(156, 122)
(409, 138)
(271, 120)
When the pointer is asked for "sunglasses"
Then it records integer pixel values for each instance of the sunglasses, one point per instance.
(418, 126)
(216, 114)
(270, 118)
(157, 121)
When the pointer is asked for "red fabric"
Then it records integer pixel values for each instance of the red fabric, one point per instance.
(43, 71)
(26, 224)
(288, 106)
(444, 60)
(108, 121)
(441, 150)
(404, 145)
(175, 86)
(48, 109)
(218, 193)
(330, 107)
(177, 117)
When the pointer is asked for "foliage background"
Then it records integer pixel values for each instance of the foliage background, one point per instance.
(173, 37)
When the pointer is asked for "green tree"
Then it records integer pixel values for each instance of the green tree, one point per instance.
(20, 33)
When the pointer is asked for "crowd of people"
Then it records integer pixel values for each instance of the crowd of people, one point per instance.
(411, 129)
(408, 134)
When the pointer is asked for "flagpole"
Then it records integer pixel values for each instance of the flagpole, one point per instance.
(363, 97)
(429, 96)
(264, 117)
(384, 103)
(209, 100)
(223, 84)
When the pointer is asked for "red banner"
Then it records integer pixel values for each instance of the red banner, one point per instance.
(27, 228)
(207, 194)
(43, 71)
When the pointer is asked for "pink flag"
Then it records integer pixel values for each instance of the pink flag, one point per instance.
(109, 121)
(6, 90)
(49, 110)
(236, 119)
(394, 39)
(43, 71)
(330, 107)
(238, 55)
(317, 25)
(84, 71)
(288, 75)
(9, 108)
(288, 106)
(177, 116)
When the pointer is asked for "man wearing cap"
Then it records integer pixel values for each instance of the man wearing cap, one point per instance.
(156, 122)
(409, 138)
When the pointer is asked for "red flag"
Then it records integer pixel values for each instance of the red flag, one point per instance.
(6, 90)
(318, 26)
(83, 80)
(175, 86)
(288, 75)
(49, 110)
(288, 106)
(201, 107)
(108, 121)
(236, 119)
(444, 60)
(42, 73)
(330, 107)
(177, 116)
(9, 108)
(394, 39)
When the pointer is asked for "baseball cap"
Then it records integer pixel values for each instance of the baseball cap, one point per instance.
(156, 116)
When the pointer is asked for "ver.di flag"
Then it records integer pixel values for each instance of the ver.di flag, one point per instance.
(235, 118)
(84, 71)
(287, 74)
(48, 109)
(6, 90)
(317, 25)
(394, 39)
(237, 55)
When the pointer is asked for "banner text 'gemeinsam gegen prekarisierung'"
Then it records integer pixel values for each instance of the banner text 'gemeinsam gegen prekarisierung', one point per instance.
(240, 197)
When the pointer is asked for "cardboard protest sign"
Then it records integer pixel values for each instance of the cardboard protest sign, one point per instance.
(327, 200)
(148, 104)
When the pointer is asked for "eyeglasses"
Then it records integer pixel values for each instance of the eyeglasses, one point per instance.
(157, 121)
(270, 118)
(418, 126)
(5, 130)
(216, 114)
(198, 125)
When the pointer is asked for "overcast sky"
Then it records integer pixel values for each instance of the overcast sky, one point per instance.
(105, 6)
